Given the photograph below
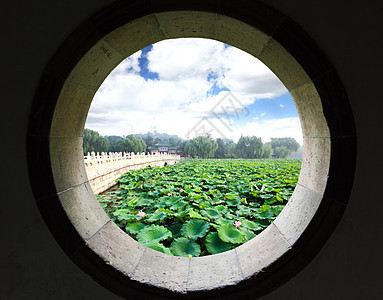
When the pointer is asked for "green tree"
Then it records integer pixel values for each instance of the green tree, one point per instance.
(290, 143)
(201, 147)
(281, 152)
(182, 145)
(267, 150)
(149, 141)
(174, 142)
(249, 147)
(130, 144)
(231, 151)
(112, 140)
(157, 140)
(94, 142)
(223, 148)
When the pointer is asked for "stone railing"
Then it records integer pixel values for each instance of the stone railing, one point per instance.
(103, 169)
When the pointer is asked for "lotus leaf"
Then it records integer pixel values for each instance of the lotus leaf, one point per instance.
(229, 234)
(211, 213)
(215, 245)
(251, 225)
(234, 202)
(176, 230)
(185, 247)
(231, 196)
(156, 245)
(153, 233)
(194, 215)
(143, 202)
(194, 229)
(248, 234)
(125, 215)
(135, 227)
(159, 215)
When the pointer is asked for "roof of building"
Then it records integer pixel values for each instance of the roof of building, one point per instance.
(162, 145)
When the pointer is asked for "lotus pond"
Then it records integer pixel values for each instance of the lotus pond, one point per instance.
(201, 207)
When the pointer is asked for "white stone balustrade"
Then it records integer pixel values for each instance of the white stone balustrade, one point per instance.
(104, 169)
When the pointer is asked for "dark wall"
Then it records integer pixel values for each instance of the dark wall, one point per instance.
(348, 267)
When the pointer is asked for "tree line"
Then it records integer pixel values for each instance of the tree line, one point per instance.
(202, 146)
(246, 147)
(94, 142)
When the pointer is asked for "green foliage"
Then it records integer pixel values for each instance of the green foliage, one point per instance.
(215, 245)
(153, 233)
(290, 145)
(135, 227)
(194, 229)
(223, 147)
(94, 142)
(229, 234)
(201, 146)
(129, 144)
(184, 247)
(197, 203)
(249, 147)
(267, 150)
(156, 245)
(281, 152)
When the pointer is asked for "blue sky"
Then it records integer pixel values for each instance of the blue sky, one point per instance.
(178, 86)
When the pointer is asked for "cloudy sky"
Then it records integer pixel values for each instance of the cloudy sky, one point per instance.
(190, 87)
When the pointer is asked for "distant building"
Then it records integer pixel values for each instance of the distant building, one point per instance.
(163, 148)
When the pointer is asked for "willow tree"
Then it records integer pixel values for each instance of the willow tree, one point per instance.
(201, 147)
(94, 142)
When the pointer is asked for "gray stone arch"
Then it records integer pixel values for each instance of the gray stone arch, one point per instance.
(95, 243)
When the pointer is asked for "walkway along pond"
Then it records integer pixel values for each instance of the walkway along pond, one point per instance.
(102, 170)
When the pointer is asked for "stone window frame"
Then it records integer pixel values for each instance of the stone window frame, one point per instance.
(81, 227)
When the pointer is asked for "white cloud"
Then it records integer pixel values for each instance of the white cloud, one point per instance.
(286, 127)
(240, 72)
(281, 106)
(186, 58)
(263, 114)
(187, 69)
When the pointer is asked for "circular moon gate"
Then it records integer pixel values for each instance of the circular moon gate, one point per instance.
(84, 231)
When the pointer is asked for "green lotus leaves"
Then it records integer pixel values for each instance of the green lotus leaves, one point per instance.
(170, 201)
(251, 225)
(185, 247)
(135, 227)
(248, 234)
(195, 215)
(156, 245)
(194, 229)
(215, 245)
(153, 233)
(222, 221)
(143, 202)
(217, 200)
(233, 202)
(211, 213)
(196, 202)
(178, 205)
(229, 234)
(175, 230)
(277, 209)
(160, 215)
(221, 208)
(232, 196)
(125, 215)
